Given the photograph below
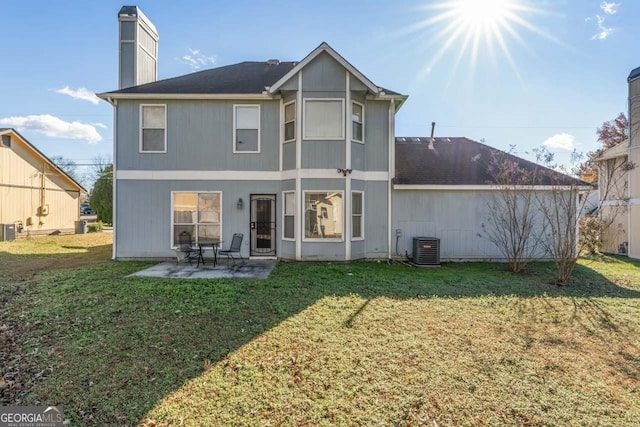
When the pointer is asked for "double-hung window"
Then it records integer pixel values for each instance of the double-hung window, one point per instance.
(198, 214)
(290, 121)
(153, 128)
(357, 207)
(357, 122)
(323, 119)
(246, 128)
(289, 210)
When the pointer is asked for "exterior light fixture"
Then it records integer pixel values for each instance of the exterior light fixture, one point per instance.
(240, 203)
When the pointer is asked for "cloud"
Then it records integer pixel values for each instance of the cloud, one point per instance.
(560, 141)
(82, 94)
(609, 8)
(54, 127)
(603, 32)
(197, 60)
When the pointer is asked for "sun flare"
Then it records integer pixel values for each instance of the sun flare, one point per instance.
(477, 29)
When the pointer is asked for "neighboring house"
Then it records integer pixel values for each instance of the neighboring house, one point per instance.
(613, 189)
(35, 195)
(300, 157)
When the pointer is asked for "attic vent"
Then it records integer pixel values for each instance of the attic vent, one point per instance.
(273, 62)
(426, 251)
(6, 141)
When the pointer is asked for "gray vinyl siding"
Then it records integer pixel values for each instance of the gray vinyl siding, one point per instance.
(324, 74)
(199, 137)
(357, 156)
(289, 156)
(127, 64)
(376, 136)
(323, 154)
(455, 217)
(146, 233)
(375, 219)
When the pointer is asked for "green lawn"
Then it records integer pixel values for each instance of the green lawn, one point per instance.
(318, 344)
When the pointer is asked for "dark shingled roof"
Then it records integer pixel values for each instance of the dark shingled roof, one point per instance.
(634, 73)
(459, 161)
(245, 77)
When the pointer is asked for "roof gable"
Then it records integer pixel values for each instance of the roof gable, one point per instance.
(460, 161)
(38, 153)
(324, 47)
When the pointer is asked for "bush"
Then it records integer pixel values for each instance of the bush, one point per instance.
(591, 229)
(94, 227)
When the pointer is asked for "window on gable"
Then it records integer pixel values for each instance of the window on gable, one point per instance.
(289, 215)
(153, 135)
(290, 121)
(323, 119)
(198, 214)
(357, 226)
(246, 133)
(357, 122)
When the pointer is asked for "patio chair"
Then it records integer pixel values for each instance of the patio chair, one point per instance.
(186, 251)
(234, 249)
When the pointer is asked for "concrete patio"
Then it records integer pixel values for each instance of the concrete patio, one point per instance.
(252, 269)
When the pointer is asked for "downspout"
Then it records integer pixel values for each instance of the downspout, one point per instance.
(392, 151)
(114, 177)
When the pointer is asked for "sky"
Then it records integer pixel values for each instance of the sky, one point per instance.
(520, 73)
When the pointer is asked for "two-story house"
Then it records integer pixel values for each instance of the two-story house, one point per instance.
(300, 157)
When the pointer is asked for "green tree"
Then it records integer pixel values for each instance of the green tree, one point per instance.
(101, 199)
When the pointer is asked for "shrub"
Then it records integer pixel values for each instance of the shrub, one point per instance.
(94, 227)
(591, 229)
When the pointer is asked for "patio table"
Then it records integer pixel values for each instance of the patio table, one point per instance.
(203, 244)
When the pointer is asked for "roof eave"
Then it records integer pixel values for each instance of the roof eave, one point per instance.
(109, 96)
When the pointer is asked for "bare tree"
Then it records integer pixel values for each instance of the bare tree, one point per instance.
(514, 225)
(561, 207)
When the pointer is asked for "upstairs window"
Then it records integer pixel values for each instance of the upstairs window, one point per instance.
(153, 128)
(323, 119)
(357, 122)
(246, 132)
(290, 121)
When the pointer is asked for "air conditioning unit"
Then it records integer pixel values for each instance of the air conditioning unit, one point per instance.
(7, 232)
(426, 251)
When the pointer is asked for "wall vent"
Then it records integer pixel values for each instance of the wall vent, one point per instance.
(426, 251)
(6, 141)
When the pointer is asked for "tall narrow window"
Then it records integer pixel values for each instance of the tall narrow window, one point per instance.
(356, 215)
(290, 121)
(153, 129)
(198, 214)
(289, 215)
(246, 133)
(357, 121)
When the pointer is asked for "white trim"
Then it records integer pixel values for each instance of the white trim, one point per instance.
(351, 122)
(248, 175)
(618, 202)
(304, 119)
(114, 187)
(331, 239)
(347, 180)
(284, 205)
(298, 219)
(324, 47)
(281, 137)
(284, 122)
(224, 96)
(196, 192)
(634, 202)
(392, 167)
(235, 150)
(487, 187)
(357, 239)
(141, 108)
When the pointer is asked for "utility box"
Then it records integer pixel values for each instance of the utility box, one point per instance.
(81, 226)
(7, 232)
(426, 251)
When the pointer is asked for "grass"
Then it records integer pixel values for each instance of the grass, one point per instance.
(318, 344)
